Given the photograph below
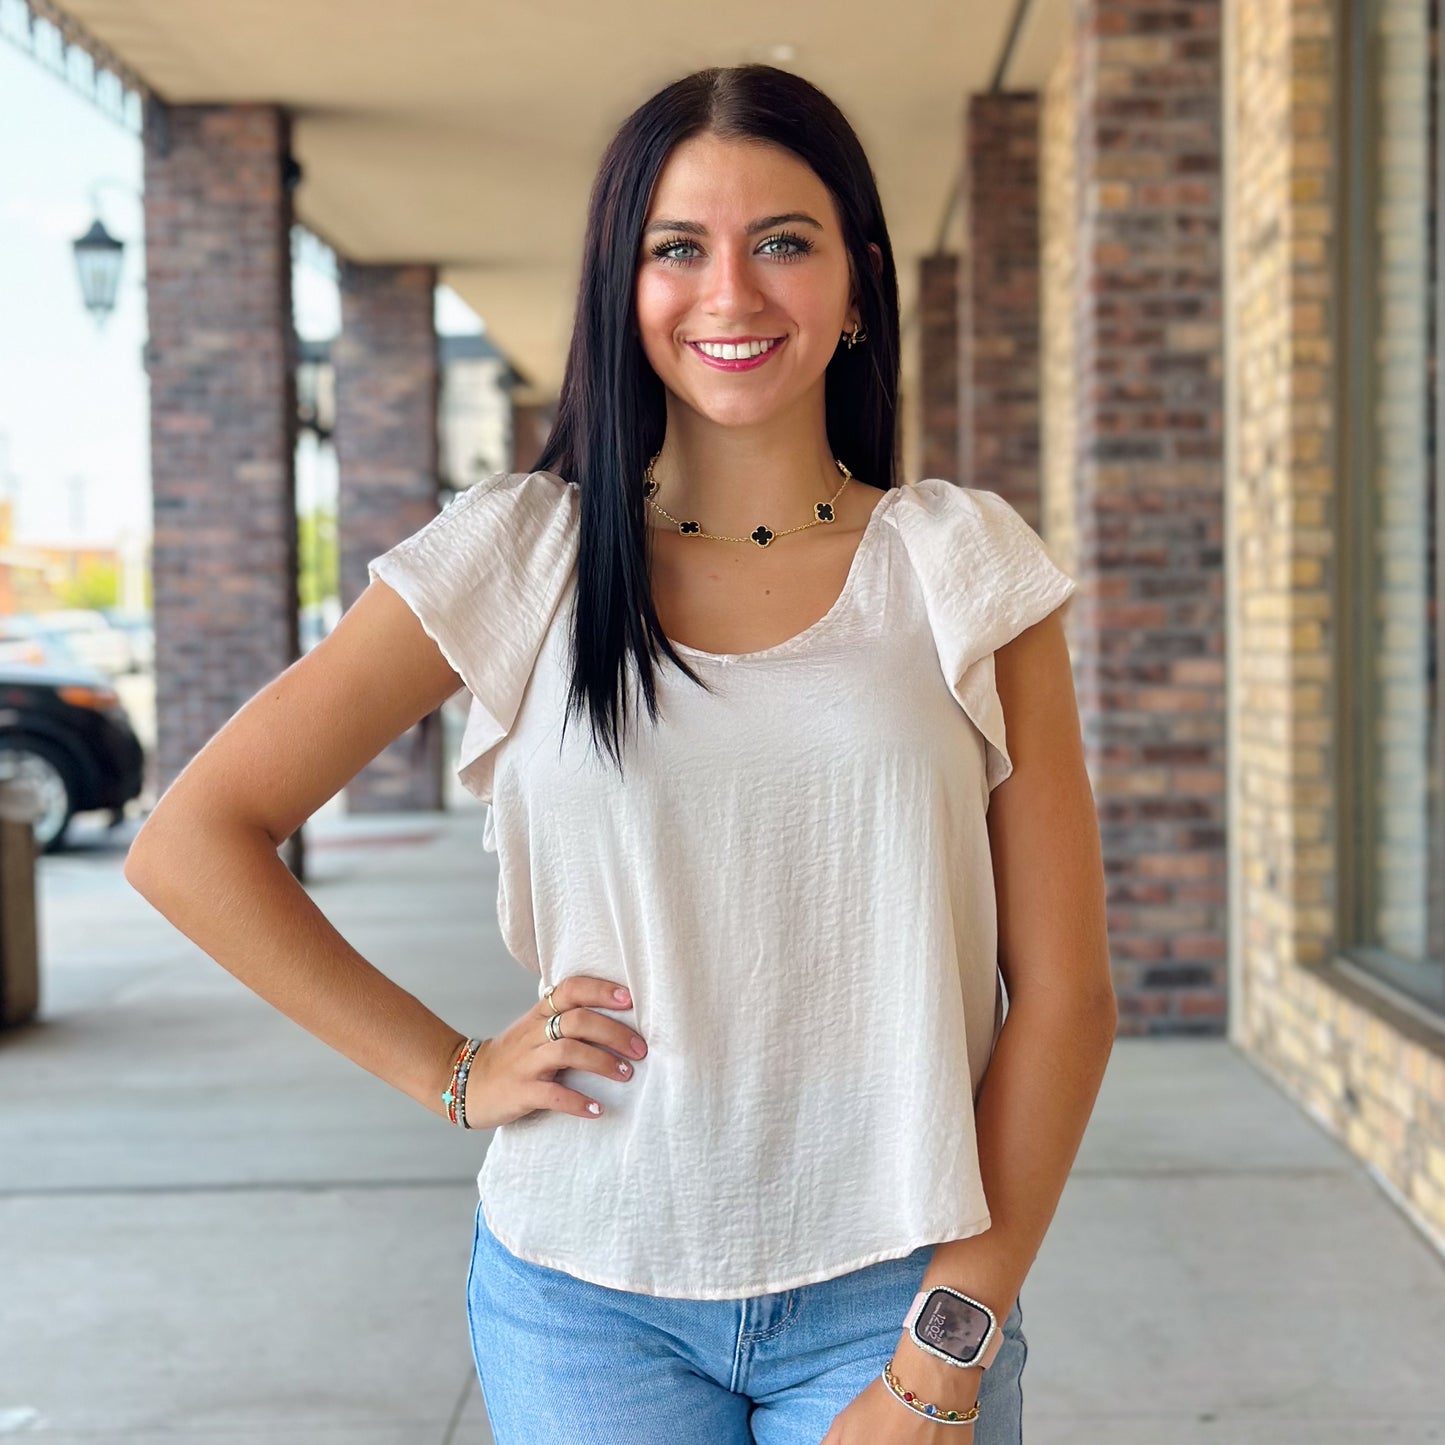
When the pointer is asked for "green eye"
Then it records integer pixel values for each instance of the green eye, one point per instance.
(665, 251)
(797, 244)
(783, 246)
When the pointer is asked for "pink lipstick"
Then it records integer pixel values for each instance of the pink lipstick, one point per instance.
(744, 362)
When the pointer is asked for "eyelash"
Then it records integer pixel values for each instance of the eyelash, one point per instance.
(805, 246)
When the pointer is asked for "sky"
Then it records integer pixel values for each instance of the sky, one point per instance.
(74, 421)
(73, 417)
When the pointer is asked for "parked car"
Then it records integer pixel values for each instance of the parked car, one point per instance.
(90, 636)
(22, 642)
(139, 632)
(65, 734)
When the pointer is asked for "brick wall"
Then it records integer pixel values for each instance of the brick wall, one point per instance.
(386, 446)
(1148, 623)
(998, 295)
(1363, 1070)
(218, 280)
(1058, 284)
(938, 366)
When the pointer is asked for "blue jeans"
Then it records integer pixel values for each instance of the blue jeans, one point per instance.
(563, 1361)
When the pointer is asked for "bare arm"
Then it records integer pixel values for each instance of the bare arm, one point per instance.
(1049, 1061)
(206, 857)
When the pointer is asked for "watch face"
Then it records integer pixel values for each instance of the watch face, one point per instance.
(952, 1325)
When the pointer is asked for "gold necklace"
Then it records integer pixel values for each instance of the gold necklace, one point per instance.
(762, 535)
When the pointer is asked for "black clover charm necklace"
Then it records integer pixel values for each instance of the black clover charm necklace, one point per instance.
(762, 535)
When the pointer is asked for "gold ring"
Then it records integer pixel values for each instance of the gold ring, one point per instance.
(547, 994)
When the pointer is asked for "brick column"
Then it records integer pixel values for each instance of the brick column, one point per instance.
(938, 366)
(387, 382)
(998, 299)
(222, 394)
(1148, 623)
(531, 423)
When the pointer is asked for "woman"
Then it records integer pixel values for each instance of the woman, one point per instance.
(785, 1185)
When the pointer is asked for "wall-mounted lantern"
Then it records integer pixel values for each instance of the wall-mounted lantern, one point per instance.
(98, 260)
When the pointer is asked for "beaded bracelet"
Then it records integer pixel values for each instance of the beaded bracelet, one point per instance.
(936, 1413)
(455, 1096)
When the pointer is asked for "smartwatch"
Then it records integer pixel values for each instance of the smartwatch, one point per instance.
(954, 1327)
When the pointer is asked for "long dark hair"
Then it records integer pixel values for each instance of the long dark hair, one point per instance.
(611, 413)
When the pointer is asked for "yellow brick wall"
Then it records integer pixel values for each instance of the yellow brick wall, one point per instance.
(1377, 1086)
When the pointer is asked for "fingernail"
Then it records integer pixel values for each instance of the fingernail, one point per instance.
(594, 1108)
(620, 994)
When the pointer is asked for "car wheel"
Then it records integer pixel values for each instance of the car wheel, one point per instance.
(44, 769)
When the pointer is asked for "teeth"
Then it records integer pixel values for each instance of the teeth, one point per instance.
(730, 351)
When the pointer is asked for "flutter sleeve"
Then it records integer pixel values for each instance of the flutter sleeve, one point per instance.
(484, 577)
(986, 576)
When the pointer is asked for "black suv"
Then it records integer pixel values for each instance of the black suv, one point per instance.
(64, 732)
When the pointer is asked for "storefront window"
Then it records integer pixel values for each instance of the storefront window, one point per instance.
(1395, 913)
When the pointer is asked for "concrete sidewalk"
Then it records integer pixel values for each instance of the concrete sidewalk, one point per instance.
(214, 1229)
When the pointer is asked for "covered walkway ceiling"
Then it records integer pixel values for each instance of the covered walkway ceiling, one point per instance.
(466, 132)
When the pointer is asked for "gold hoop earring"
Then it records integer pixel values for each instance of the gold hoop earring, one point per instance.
(855, 336)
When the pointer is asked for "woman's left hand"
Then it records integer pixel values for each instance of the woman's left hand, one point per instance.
(874, 1416)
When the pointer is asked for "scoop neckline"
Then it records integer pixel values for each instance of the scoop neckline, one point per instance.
(855, 567)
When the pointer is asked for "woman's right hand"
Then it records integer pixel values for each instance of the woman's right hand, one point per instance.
(516, 1072)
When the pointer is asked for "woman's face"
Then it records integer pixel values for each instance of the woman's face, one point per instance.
(741, 248)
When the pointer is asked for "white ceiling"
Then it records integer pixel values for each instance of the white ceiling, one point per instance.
(466, 132)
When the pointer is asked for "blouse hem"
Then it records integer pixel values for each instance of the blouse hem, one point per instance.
(796, 1281)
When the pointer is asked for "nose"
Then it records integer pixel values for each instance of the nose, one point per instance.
(732, 290)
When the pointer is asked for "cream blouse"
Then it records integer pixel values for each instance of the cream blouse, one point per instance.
(793, 878)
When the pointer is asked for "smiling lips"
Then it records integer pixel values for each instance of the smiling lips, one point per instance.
(745, 355)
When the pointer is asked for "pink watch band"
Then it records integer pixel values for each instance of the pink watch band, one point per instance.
(991, 1345)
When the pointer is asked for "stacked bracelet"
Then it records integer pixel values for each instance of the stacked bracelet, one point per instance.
(920, 1407)
(455, 1096)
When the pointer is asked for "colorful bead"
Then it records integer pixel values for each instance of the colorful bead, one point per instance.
(935, 1412)
(461, 1065)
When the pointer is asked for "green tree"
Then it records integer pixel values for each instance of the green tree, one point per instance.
(97, 584)
(320, 565)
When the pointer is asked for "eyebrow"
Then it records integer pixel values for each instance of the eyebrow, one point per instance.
(765, 223)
